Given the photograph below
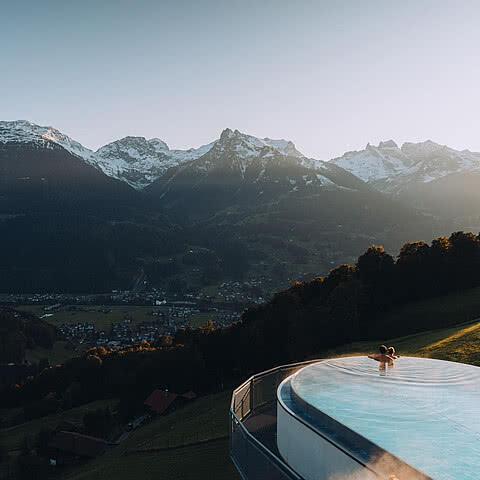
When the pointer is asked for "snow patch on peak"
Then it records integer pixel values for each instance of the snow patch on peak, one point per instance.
(387, 144)
(158, 144)
(226, 134)
(250, 146)
(423, 148)
(391, 168)
(286, 147)
(23, 131)
(140, 162)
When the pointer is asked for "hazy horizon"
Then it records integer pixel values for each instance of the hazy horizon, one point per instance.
(330, 76)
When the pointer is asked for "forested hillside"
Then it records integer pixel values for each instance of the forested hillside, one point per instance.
(350, 304)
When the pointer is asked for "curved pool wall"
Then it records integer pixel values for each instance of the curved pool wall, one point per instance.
(312, 449)
(353, 418)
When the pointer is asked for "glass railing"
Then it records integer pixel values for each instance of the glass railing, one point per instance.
(253, 459)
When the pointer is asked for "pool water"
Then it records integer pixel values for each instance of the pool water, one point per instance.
(424, 411)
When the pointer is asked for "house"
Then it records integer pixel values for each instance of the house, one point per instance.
(160, 401)
(190, 395)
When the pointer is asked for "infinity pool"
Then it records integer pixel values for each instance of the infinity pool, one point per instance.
(424, 411)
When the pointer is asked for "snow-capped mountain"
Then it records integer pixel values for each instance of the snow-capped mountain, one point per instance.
(24, 132)
(139, 161)
(245, 154)
(241, 169)
(248, 146)
(43, 170)
(392, 169)
(136, 160)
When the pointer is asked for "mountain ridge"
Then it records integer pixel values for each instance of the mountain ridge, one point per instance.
(139, 161)
(392, 169)
(419, 174)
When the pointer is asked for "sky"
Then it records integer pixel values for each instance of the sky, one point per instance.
(328, 75)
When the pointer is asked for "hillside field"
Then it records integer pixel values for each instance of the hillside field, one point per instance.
(102, 316)
(11, 438)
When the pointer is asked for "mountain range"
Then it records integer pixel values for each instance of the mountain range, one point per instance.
(140, 162)
(254, 205)
(433, 177)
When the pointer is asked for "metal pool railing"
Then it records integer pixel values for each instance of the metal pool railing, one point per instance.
(253, 459)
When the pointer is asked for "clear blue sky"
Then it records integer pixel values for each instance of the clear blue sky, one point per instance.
(331, 76)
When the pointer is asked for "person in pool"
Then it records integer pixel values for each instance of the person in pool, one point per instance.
(391, 353)
(383, 356)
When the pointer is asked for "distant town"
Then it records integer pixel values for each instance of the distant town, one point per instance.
(142, 315)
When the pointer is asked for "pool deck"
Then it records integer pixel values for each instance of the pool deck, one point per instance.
(263, 426)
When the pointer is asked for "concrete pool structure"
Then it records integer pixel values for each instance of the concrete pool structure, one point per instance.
(348, 419)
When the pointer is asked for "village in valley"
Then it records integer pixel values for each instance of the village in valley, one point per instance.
(125, 317)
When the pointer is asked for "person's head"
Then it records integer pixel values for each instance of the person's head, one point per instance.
(391, 350)
(383, 349)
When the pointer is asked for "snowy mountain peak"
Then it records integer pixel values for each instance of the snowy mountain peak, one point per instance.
(22, 131)
(158, 144)
(133, 148)
(387, 144)
(139, 161)
(247, 145)
(226, 134)
(392, 169)
(422, 148)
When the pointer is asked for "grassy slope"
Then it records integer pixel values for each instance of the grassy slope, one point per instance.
(58, 354)
(457, 342)
(198, 462)
(210, 460)
(452, 309)
(11, 438)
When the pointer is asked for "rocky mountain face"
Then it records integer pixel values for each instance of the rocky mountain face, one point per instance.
(432, 177)
(255, 166)
(241, 169)
(246, 192)
(393, 169)
(140, 162)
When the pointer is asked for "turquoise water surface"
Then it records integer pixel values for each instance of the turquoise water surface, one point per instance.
(424, 411)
